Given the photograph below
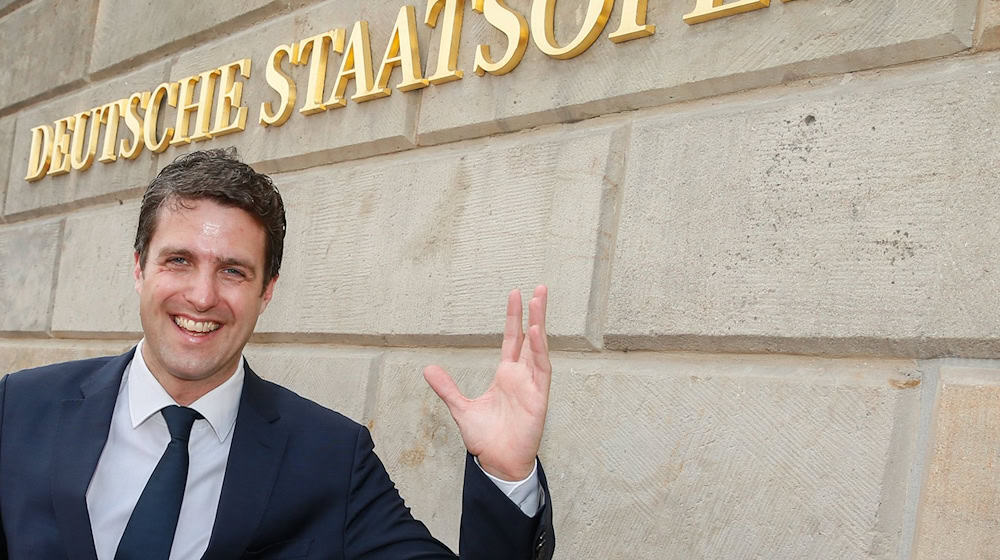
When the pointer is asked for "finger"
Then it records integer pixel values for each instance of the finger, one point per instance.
(445, 387)
(513, 336)
(541, 366)
(536, 311)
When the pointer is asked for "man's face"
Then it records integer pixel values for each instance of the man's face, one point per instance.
(200, 292)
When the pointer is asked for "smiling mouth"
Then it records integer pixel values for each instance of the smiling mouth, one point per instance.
(196, 327)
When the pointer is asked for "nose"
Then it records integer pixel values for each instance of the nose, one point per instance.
(203, 291)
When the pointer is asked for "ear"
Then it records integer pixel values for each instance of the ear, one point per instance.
(265, 298)
(137, 272)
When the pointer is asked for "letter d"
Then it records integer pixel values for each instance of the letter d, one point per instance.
(41, 152)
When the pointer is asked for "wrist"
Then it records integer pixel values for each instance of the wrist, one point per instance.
(514, 472)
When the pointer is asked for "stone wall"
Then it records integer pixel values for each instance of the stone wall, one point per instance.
(770, 240)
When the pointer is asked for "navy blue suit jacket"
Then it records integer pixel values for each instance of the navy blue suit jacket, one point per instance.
(301, 481)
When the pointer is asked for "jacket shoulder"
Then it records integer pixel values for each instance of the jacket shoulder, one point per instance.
(301, 412)
(54, 377)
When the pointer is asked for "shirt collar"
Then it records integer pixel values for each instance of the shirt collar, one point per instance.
(146, 397)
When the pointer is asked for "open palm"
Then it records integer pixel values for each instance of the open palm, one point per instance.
(503, 427)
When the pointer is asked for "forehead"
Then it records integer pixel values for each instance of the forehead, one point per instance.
(205, 226)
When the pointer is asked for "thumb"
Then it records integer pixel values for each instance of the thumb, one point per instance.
(445, 387)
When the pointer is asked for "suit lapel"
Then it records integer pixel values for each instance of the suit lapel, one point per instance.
(254, 461)
(82, 432)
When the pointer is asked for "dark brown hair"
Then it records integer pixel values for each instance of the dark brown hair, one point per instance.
(216, 175)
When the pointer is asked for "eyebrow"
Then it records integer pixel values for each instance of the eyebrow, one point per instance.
(226, 261)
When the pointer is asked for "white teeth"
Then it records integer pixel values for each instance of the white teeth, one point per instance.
(195, 326)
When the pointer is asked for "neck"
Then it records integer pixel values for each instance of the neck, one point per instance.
(183, 390)
(186, 391)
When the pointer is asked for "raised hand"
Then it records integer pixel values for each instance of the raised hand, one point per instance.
(503, 427)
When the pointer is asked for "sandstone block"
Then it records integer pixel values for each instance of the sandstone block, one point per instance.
(425, 244)
(103, 181)
(960, 504)
(682, 456)
(126, 29)
(6, 147)
(47, 47)
(18, 354)
(338, 134)
(785, 42)
(335, 378)
(95, 290)
(987, 33)
(416, 438)
(855, 218)
(28, 256)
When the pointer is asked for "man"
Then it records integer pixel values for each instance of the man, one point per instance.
(177, 449)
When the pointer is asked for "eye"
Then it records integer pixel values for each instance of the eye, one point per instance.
(235, 272)
(176, 260)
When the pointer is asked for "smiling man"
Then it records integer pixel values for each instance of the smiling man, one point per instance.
(202, 283)
(177, 449)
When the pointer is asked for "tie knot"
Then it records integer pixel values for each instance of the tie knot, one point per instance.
(179, 421)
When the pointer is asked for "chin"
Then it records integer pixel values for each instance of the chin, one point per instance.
(192, 369)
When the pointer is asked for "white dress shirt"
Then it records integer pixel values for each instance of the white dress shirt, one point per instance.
(138, 437)
(135, 443)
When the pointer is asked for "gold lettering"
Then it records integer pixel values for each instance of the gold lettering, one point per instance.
(543, 27)
(111, 114)
(230, 96)
(41, 152)
(319, 47)
(402, 51)
(510, 23)
(451, 35)
(356, 66)
(202, 109)
(184, 109)
(633, 24)
(707, 10)
(79, 135)
(129, 149)
(60, 146)
(149, 125)
(206, 94)
(80, 158)
(282, 84)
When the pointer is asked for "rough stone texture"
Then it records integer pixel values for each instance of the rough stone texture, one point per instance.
(352, 132)
(126, 28)
(6, 148)
(103, 181)
(960, 510)
(417, 439)
(95, 291)
(854, 218)
(335, 378)
(987, 34)
(426, 244)
(778, 44)
(16, 354)
(27, 260)
(682, 456)
(47, 46)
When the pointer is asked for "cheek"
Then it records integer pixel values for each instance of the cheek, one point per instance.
(244, 305)
(157, 291)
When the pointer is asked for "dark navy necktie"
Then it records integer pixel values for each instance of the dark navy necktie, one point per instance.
(150, 531)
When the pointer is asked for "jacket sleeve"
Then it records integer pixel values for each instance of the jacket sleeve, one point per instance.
(378, 524)
(494, 528)
(3, 530)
